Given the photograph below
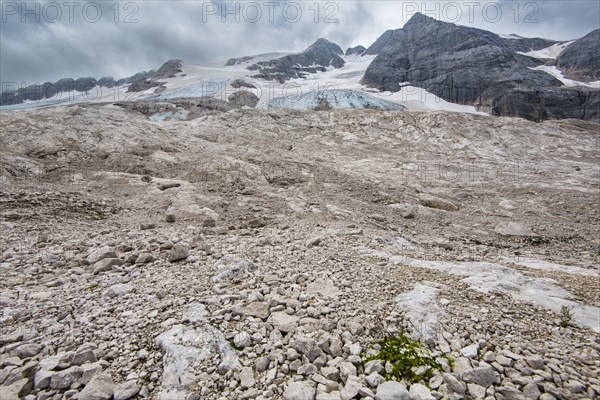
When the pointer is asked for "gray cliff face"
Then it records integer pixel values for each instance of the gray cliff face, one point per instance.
(474, 67)
(581, 60)
(380, 43)
(315, 58)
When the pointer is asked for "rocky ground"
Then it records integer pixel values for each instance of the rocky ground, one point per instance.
(254, 254)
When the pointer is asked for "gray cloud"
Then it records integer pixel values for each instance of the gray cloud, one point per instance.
(94, 38)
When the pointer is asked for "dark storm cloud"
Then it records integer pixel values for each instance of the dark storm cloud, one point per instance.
(48, 40)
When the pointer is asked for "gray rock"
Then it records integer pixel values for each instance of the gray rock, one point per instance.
(312, 242)
(299, 391)
(351, 388)
(261, 364)
(483, 376)
(82, 356)
(100, 253)
(179, 252)
(331, 373)
(42, 379)
(437, 202)
(504, 361)
(27, 350)
(65, 378)
(126, 390)
(239, 83)
(531, 391)
(101, 387)
(574, 386)
(374, 379)
(373, 366)
(392, 390)
(118, 290)
(535, 362)
(454, 384)
(510, 393)
(16, 390)
(106, 265)
(244, 98)
(144, 258)
(257, 310)
(476, 391)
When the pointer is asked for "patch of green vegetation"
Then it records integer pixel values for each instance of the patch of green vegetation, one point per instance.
(93, 287)
(406, 356)
(233, 346)
(566, 316)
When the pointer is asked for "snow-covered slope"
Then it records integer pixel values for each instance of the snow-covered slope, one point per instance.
(340, 87)
(549, 52)
(555, 72)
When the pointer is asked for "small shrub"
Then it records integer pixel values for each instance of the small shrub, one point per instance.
(566, 316)
(405, 354)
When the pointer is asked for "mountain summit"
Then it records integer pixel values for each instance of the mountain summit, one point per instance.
(315, 58)
(475, 67)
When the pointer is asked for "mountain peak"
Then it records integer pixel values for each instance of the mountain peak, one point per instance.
(419, 19)
(168, 69)
(322, 43)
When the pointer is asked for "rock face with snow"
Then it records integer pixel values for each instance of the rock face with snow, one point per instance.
(168, 70)
(472, 66)
(356, 50)
(581, 60)
(317, 57)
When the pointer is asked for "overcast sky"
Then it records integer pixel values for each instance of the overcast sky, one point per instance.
(48, 40)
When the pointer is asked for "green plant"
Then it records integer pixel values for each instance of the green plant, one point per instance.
(93, 287)
(566, 316)
(406, 356)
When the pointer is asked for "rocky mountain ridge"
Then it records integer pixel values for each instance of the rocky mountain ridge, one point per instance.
(498, 75)
(471, 66)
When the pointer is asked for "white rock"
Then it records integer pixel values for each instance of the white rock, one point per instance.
(392, 390)
(246, 378)
(299, 391)
(470, 351)
(476, 391)
(242, 339)
(420, 392)
(118, 290)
